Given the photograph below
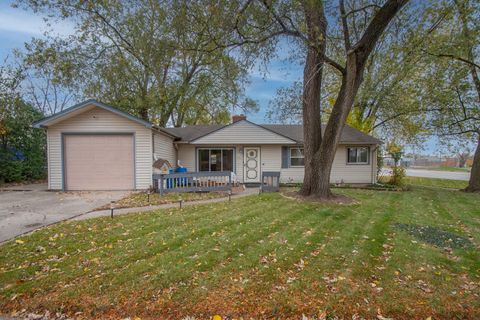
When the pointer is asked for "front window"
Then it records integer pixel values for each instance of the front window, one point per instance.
(215, 159)
(358, 155)
(297, 158)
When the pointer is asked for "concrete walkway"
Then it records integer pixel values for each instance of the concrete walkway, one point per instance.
(116, 212)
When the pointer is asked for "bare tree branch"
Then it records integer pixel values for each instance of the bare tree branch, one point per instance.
(454, 57)
(362, 9)
(346, 32)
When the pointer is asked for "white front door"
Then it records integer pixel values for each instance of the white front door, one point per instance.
(251, 164)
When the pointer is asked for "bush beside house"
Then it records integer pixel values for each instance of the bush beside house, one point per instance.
(22, 148)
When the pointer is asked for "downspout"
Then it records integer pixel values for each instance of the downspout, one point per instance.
(374, 167)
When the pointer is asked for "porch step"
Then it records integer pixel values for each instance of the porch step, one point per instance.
(252, 185)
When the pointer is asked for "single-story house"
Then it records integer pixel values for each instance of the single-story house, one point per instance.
(93, 146)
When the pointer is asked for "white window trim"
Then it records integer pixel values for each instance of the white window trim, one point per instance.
(209, 158)
(358, 163)
(290, 157)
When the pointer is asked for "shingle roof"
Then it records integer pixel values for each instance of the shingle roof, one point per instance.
(190, 133)
(294, 132)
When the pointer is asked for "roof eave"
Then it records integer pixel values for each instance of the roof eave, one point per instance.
(43, 123)
(162, 130)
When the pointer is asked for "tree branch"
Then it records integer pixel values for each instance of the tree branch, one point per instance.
(288, 31)
(378, 24)
(334, 64)
(362, 9)
(452, 56)
(346, 32)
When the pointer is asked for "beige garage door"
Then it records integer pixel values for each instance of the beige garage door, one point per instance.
(99, 162)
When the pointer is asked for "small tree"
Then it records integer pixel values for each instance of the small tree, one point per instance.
(395, 151)
(398, 173)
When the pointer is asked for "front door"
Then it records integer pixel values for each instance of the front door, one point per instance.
(251, 163)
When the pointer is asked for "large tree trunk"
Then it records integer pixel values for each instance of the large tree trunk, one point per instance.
(474, 182)
(319, 167)
(312, 86)
(331, 137)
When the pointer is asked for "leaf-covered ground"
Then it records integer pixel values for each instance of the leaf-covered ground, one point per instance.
(143, 199)
(260, 256)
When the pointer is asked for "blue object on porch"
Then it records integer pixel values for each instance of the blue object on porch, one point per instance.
(181, 182)
(170, 180)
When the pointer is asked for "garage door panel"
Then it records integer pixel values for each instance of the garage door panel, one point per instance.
(99, 162)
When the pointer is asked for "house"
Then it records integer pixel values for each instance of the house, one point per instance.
(93, 146)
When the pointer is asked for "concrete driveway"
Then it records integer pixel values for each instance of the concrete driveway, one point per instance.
(432, 174)
(29, 207)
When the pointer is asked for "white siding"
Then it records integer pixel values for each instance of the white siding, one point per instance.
(243, 132)
(341, 171)
(98, 120)
(271, 160)
(186, 156)
(164, 148)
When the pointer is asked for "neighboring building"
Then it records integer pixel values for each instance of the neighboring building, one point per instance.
(93, 146)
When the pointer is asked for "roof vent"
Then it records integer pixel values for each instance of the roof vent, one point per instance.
(238, 117)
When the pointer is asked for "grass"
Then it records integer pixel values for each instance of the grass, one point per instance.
(259, 256)
(449, 169)
(142, 199)
(435, 182)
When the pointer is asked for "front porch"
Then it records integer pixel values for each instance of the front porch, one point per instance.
(204, 181)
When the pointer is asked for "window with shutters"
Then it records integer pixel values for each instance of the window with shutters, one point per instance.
(297, 158)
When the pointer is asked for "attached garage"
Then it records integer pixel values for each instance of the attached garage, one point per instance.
(99, 161)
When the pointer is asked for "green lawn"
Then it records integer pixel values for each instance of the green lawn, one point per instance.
(434, 182)
(260, 256)
(450, 169)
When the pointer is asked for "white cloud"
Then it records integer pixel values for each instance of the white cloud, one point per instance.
(16, 20)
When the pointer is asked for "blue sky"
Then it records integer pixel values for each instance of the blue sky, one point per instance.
(18, 26)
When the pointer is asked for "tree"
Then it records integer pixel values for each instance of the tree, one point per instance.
(22, 148)
(286, 106)
(129, 53)
(321, 153)
(51, 81)
(451, 77)
(386, 102)
(395, 151)
(255, 26)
